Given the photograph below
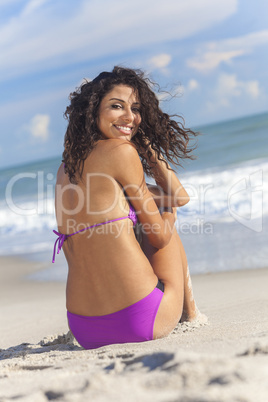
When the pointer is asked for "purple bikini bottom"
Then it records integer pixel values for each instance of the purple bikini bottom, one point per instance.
(132, 324)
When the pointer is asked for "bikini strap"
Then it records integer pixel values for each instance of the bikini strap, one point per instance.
(62, 237)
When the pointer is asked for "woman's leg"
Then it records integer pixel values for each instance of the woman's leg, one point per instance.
(171, 267)
(189, 306)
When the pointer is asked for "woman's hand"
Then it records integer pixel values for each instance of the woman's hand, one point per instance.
(168, 190)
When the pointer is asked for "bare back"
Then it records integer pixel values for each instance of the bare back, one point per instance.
(108, 271)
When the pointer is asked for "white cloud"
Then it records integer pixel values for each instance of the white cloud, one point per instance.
(39, 126)
(229, 87)
(41, 101)
(212, 54)
(193, 85)
(32, 6)
(248, 41)
(253, 89)
(160, 61)
(4, 3)
(40, 37)
(162, 96)
(211, 60)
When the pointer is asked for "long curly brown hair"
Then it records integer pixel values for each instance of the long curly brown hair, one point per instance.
(167, 137)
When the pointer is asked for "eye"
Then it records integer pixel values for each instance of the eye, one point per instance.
(136, 110)
(117, 106)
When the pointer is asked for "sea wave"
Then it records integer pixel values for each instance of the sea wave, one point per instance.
(234, 194)
(216, 195)
(226, 194)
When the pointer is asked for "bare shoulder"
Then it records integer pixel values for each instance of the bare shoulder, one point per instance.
(118, 153)
(116, 146)
(118, 158)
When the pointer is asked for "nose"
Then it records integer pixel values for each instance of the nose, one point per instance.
(128, 115)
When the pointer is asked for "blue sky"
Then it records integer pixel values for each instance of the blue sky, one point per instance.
(213, 54)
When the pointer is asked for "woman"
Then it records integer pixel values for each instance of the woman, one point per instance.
(118, 289)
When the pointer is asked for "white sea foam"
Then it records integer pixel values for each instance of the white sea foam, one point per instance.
(224, 195)
(216, 196)
(236, 195)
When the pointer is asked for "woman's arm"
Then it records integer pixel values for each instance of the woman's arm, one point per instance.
(126, 168)
(161, 198)
(169, 191)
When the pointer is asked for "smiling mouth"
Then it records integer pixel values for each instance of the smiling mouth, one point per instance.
(124, 129)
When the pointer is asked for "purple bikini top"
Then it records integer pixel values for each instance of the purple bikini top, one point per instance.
(62, 237)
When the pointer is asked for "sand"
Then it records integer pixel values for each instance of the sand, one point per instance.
(225, 360)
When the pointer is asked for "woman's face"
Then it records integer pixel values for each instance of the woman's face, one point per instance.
(119, 113)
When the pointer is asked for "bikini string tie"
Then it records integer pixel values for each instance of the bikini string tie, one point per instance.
(59, 242)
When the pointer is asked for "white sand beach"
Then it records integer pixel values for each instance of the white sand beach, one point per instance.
(225, 360)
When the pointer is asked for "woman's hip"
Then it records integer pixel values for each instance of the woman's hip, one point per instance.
(134, 323)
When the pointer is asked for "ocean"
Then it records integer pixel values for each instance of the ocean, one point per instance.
(223, 228)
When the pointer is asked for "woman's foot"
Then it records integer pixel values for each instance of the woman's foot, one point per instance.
(194, 316)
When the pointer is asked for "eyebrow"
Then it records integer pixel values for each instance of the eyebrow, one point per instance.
(121, 100)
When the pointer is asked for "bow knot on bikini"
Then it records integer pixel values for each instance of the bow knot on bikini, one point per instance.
(60, 240)
(132, 215)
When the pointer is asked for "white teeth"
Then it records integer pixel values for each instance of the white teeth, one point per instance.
(124, 128)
